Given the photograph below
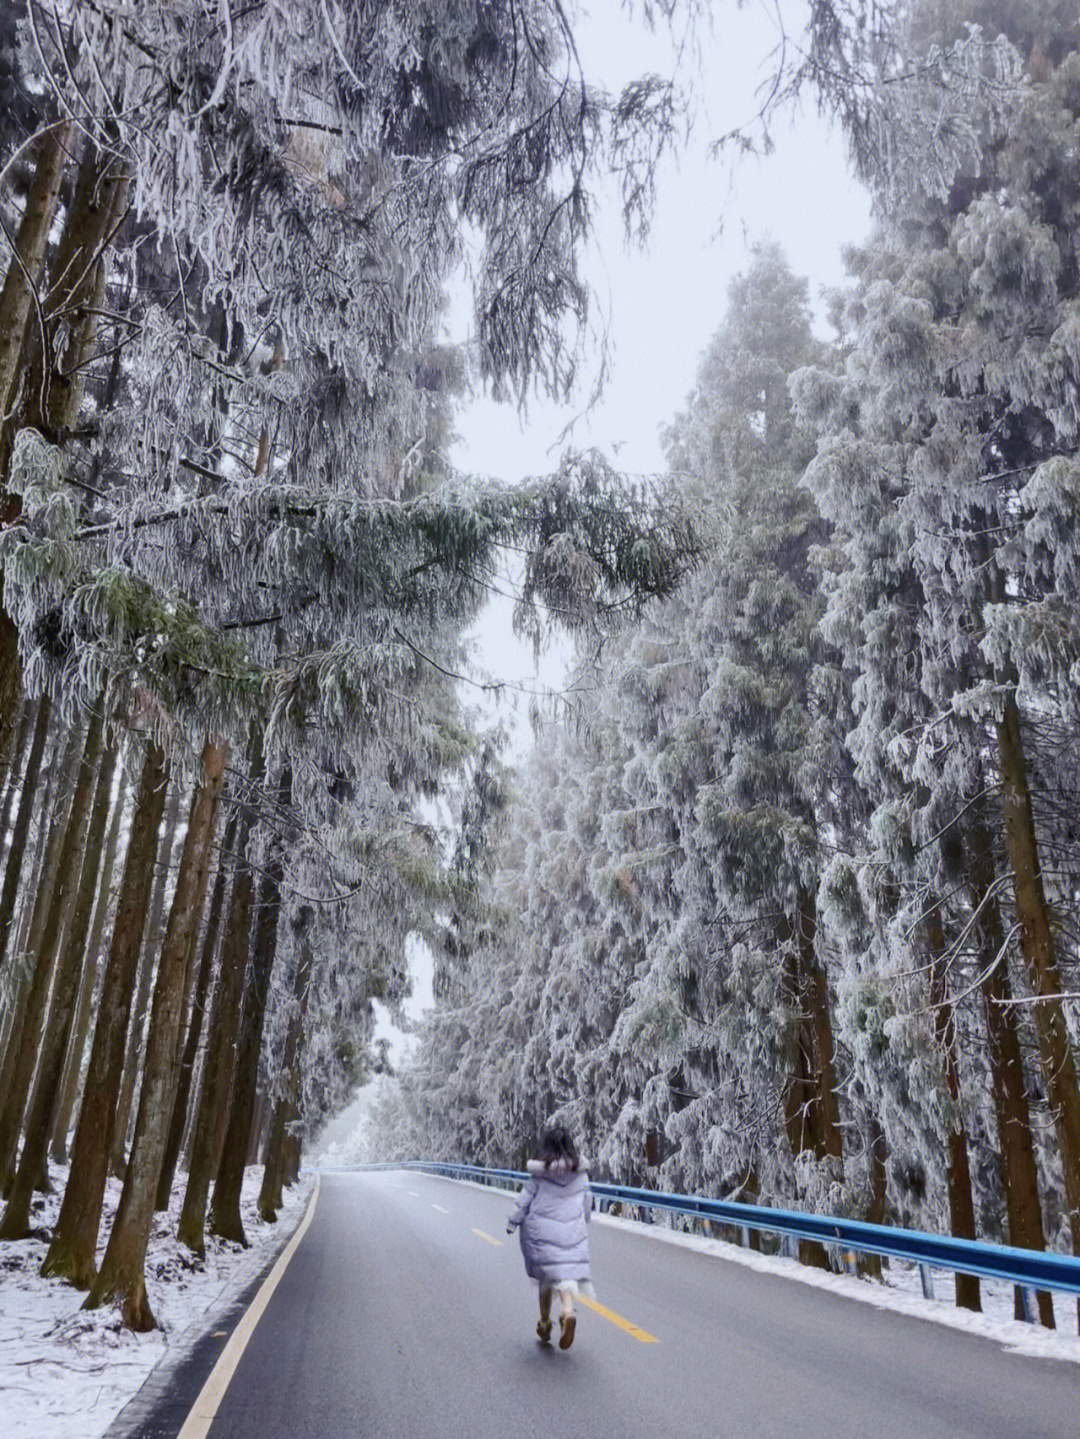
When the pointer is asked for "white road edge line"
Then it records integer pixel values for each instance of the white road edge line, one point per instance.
(205, 1408)
(440, 1209)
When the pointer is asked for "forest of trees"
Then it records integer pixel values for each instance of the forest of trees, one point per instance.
(236, 565)
(785, 907)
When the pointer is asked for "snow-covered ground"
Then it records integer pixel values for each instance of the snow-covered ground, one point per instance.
(64, 1372)
(901, 1290)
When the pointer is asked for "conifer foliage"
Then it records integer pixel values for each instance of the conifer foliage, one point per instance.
(236, 564)
(789, 916)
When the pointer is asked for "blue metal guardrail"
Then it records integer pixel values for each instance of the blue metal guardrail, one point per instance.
(1028, 1268)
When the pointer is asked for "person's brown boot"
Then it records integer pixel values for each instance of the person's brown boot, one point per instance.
(543, 1331)
(567, 1323)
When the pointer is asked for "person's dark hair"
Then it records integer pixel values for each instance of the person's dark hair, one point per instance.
(555, 1144)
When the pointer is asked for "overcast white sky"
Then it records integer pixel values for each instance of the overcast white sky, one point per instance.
(663, 304)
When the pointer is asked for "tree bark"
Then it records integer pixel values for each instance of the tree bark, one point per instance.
(75, 296)
(91, 967)
(151, 948)
(13, 771)
(51, 906)
(122, 1275)
(270, 1192)
(294, 1153)
(24, 912)
(71, 1254)
(225, 1219)
(870, 1264)
(24, 273)
(287, 1109)
(1038, 950)
(85, 831)
(258, 1124)
(196, 1011)
(961, 1201)
(21, 338)
(811, 1112)
(1019, 1173)
(220, 1054)
(13, 868)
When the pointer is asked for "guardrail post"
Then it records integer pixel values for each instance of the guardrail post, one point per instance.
(1027, 1304)
(927, 1281)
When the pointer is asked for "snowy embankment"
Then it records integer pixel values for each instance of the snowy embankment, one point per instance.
(65, 1372)
(901, 1291)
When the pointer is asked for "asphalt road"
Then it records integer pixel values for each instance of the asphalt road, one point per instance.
(396, 1319)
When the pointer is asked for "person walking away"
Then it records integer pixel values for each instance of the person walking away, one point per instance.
(552, 1212)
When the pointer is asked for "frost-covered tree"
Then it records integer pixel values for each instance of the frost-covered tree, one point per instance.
(662, 982)
(937, 467)
(230, 524)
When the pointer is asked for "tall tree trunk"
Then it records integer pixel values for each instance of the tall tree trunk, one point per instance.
(824, 1107)
(74, 300)
(13, 773)
(270, 1191)
(1038, 950)
(196, 1010)
(870, 1264)
(71, 1254)
(811, 1111)
(258, 1124)
(122, 1274)
(25, 271)
(50, 913)
(294, 1153)
(151, 949)
(961, 1201)
(85, 832)
(13, 868)
(220, 1057)
(1019, 1173)
(91, 968)
(55, 381)
(286, 1110)
(225, 1217)
(20, 923)
(796, 1088)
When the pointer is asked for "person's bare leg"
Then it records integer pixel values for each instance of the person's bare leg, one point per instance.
(567, 1318)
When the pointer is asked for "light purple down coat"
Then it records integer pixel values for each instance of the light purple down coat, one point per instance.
(553, 1212)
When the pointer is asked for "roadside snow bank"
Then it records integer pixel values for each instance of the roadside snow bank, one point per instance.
(900, 1291)
(65, 1372)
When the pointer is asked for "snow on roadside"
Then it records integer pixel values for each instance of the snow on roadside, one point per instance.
(901, 1290)
(65, 1372)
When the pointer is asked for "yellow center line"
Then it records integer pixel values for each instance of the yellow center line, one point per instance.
(487, 1237)
(640, 1334)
